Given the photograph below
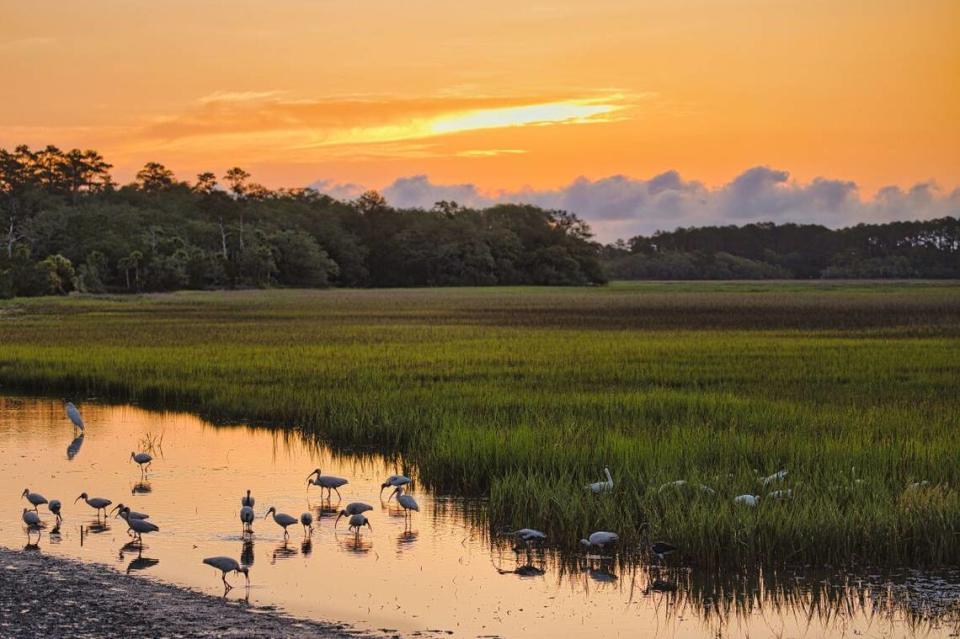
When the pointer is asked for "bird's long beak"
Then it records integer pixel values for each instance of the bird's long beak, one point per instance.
(76, 500)
(369, 526)
(112, 509)
(395, 491)
(337, 520)
(382, 486)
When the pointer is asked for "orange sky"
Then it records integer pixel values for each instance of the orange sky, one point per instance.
(500, 94)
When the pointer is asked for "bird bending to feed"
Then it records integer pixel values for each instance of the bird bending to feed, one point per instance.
(31, 519)
(97, 503)
(353, 508)
(120, 508)
(661, 549)
(248, 500)
(394, 481)
(282, 519)
(138, 526)
(600, 539)
(602, 486)
(246, 518)
(306, 519)
(357, 522)
(225, 565)
(142, 459)
(528, 536)
(329, 482)
(747, 500)
(54, 506)
(35, 499)
(74, 415)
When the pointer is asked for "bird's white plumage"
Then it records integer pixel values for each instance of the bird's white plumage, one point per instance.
(35, 499)
(248, 500)
(600, 538)
(74, 415)
(777, 476)
(747, 500)
(602, 486)
(407, 502)
(31, 519)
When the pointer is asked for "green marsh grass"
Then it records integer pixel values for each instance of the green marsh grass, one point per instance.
(523, 395)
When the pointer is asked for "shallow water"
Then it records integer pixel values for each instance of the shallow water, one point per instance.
(435, 573)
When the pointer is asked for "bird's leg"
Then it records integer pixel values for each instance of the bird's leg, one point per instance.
(339, 496)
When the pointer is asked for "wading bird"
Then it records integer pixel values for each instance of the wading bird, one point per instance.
(394, 481)
(130, 513)
(661, 549)
(747, 500)
(602, 486)
(97, 503)
(407, 502)
(329, 482)
(357, 522)
(35, 499)
(283, 520)
(306, 519)
(246, 518)
(74, 415)
(54, 507)
(31, 519)
(528, 536)
(777, 476)
(138, 526)
(143, 460)
(248, 500)
(353, 508)
(600, 539)
(225, 565)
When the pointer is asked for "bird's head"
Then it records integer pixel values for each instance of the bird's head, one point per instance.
(26, 491)
(82, 496)
(270, 510)
(316, 471)
(343, 513)
(585, 542)
(132, 454)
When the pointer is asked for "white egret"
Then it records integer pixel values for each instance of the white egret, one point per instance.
(225, 565)
(407, 502)
(97, 503)
(777, 476)
(35, 499)
(130, 513)
(54, 506)
(357, 522)
(393, 481)
(246, 518)
(282, 519)
(329, 482)
(248, 500)
(74, 415)
(353, 508)
(747, 500)
(138, 526)
(602, 486)
(142, 459)
(600, 539)
(31, 519)
(306, 519)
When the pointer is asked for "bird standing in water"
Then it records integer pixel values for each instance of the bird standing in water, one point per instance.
(225, 565)
(74, 416)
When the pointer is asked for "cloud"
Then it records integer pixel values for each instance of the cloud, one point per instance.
(621, 206)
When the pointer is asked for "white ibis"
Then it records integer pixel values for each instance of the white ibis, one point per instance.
(777, 476)
(31, 519)
(306, 519)
(528, 536)
(353, 508)
(357, 522)
(97, 503)
(54, 506)
(394, 481)
(248, 500)
(602, 486)
(662, 549)
(225, 565)
(747, 500)
(130, 513)
(138, 526)
(143, 460)
(407, 502)
(282, 519)
(600, 539)
(246, 518)
(74, 415)
(329, 482)
(35, 499)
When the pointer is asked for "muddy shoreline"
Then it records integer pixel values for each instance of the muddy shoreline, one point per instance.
(45, 596)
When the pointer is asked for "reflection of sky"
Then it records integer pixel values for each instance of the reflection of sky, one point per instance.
(430, 572)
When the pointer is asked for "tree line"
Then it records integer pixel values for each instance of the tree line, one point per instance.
(67, 226)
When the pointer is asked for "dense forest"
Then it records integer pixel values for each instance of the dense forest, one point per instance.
(66, 226)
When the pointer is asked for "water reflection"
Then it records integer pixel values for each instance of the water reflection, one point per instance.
(139, 562)
(141, 488)
(306, 546)
(247, 556)
(283, 551)
(74, 447)
(354, 542)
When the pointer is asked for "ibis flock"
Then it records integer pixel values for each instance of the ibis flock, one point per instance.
(139, 524)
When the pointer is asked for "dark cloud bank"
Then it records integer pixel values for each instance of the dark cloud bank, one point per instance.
(621, 207)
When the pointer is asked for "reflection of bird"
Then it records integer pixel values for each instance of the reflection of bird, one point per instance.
(394, 481)
(357, 522)
(225, 565)
(130, 513)
(35, 499)
(142, 488)
(138, 526)
(306, 519)
(602, 486)
(142, 459)
(747, 500)
(601, 539)
(74, 415)
(329, 482)
(602, 574)
(31, 519)
(353, 508)
(54, 507)
(283, 519)
(246, 554)
(246, 518)
(248, 500)
(407, 502)
(74, 446)
(659, 585)
(97, 503)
